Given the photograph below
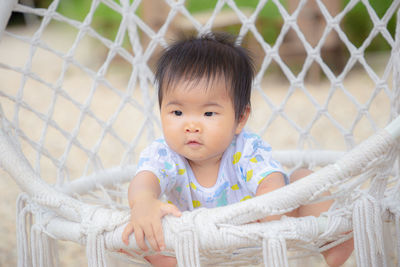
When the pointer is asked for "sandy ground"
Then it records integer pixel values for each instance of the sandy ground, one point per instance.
(48, 67)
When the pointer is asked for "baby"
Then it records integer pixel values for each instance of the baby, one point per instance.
(206, 158)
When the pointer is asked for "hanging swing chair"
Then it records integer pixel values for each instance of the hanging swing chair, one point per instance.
(74, 173)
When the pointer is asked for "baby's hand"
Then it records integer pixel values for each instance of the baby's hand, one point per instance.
(146, 214)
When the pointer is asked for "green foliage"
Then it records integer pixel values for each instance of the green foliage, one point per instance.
(356, 24)
(74, 9)
(269, 20)
(269, 10)
(105, 20)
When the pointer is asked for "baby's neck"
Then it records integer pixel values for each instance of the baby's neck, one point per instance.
(206, 174)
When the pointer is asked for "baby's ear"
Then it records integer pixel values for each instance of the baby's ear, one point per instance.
(243, 120)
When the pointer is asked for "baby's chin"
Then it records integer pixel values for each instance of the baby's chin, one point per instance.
(209, 159)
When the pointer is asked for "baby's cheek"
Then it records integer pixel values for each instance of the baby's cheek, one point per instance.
(171, 136)
(222, 140)
(170, 128)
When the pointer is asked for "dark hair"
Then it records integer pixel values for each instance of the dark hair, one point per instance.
(209, 56)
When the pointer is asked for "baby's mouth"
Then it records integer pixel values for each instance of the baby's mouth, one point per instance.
(193, 143)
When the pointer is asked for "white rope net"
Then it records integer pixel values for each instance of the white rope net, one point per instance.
(80, 106)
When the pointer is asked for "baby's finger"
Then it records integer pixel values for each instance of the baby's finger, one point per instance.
(139, 236)
(170, 209)
(149, 235)
(128, 230)
(158, 232)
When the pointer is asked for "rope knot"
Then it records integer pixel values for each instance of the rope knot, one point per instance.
(314, 53)
(291, 20)
(380, 26)
(335, 22)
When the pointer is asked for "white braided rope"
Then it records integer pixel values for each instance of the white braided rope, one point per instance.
(95, 220)
(142, 75)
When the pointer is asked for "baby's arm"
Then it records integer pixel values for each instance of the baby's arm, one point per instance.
(147, 211)
(270, 183)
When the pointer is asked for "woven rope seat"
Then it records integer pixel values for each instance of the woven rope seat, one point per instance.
(72, 147)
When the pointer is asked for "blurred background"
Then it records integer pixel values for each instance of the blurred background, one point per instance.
(356, 24)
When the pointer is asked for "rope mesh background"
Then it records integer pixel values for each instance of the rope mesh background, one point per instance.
(134, 94)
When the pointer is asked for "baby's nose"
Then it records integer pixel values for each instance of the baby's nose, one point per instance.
(192, 128)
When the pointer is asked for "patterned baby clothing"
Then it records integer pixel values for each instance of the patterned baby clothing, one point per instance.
(244, 164)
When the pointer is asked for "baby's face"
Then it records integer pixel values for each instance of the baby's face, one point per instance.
(198, 120)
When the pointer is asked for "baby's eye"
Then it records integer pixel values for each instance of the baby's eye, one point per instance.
(209, 113)
(177, 112)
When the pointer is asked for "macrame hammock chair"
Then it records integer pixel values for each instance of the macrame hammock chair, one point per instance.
(92, 210)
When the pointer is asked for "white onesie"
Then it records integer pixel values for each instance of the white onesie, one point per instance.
(244, 164)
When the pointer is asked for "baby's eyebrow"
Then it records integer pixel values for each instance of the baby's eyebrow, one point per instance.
(174, 102)
(212, 104)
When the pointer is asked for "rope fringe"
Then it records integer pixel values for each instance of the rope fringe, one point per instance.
(274, 252)
(368, 233)
(186, 249)
(44, 248)
(96, 222)
(24, 253)
(95, 250)
(41, 249)
(397, 223)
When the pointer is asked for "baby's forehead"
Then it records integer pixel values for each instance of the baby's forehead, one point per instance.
(198, 92)
(217, 82)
